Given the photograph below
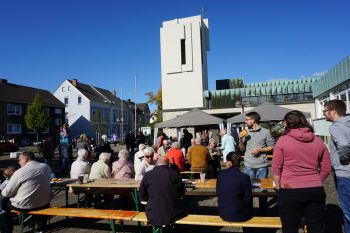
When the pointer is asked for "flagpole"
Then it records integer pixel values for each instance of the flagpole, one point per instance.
(135, 106)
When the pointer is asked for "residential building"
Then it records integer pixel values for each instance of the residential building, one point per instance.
(14, 100)
(89, 109)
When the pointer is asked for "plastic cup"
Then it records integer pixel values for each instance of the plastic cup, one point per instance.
(202, 176)
(81, 179)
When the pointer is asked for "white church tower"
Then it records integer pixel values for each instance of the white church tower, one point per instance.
(184, 43)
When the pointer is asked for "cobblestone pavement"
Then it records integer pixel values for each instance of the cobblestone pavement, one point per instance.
(196, 205)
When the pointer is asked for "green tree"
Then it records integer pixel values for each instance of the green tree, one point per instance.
(156, 99)
(97, 122)
(37, 118)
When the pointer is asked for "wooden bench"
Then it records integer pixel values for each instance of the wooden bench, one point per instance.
(212, 193)
(110, 215)
(211, 220)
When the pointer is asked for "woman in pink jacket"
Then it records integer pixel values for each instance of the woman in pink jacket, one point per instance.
(300, 165)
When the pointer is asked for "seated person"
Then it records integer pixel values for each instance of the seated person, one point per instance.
(28, 189)
(176, 156)
(234, 190)
(122, 168)
(163, 191)
(81, 165)
(8, 172)
(146, 164)
(101, 169)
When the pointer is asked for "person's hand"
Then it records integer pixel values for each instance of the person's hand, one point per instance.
(255, 151)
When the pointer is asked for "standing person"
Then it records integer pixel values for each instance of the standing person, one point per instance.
(163, 191)
(115, 139)
(47, 150)
(130, 143)
(300, 165)
(227, 143)
(256, 144)
(65, 149)
(28, 189)
(186, 140)
(334, 111)
(234, 190)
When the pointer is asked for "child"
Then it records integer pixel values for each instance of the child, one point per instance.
(8, 172)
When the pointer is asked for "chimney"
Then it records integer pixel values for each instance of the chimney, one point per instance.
(75, 82)
(3, 81)
(114, 93)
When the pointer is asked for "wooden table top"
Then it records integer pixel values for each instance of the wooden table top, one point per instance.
(211, 183)
(88, 213)
(62, 181)
(108, 183)
(190, 172)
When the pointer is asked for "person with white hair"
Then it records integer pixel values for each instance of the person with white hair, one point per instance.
(198, 156)
(122, 168)
(81, 165)
(101, 169)
(146, 164)
(162, 150)
(139, 155)
(227, 143)
(176, 156)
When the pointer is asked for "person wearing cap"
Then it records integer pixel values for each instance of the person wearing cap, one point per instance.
(81, 165)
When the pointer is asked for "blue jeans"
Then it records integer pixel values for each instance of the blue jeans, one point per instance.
(256, 173)
(343, 189)
(65, 160)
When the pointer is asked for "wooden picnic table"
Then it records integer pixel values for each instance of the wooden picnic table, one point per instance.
(59, 184)
(109, 184)
(266, 183)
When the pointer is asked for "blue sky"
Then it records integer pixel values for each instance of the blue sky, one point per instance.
(105, 42)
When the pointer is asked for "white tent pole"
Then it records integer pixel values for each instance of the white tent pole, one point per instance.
(155, 136)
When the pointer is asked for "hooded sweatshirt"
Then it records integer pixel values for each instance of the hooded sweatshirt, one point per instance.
(300, 159)
(340, 146)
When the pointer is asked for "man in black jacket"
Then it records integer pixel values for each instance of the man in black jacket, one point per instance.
(163, 191)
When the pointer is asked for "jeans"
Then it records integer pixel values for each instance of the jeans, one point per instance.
(307, 202)
(343, 189)
(257, 173)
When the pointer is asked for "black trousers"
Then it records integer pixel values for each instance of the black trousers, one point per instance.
(302, 202)
(6, 218)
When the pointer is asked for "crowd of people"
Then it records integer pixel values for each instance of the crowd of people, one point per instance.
(301, 163)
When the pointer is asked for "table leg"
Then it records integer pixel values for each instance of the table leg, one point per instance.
(66, 196)
(135, 197)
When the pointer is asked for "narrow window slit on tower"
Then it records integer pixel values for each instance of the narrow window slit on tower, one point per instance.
(183, 52)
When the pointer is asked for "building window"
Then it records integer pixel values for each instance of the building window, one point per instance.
(63, 89)
(58, 110)
(79, 99)
(183, 52)
(58, 121)
(13, 109)
(14, 128)
(66, 100)
(66, 117)
(68, 88)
